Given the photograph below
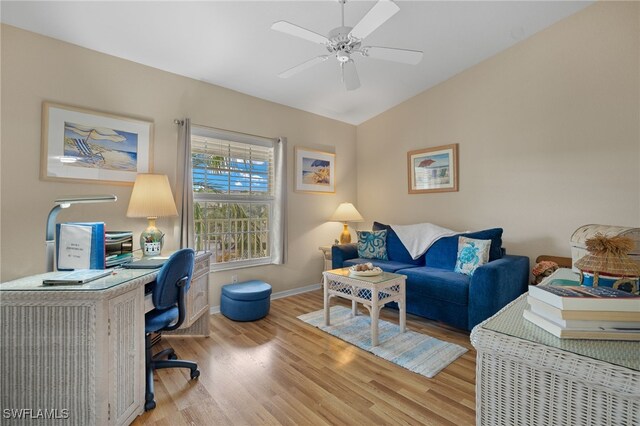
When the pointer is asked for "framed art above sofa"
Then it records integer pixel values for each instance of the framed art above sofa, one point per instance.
(433, 169)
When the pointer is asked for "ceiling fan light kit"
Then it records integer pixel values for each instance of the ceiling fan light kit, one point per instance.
(342, 42)
(350, 77)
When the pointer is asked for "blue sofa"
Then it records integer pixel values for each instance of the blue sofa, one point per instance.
(435, 291)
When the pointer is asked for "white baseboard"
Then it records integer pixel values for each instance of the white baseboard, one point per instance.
(278, 295)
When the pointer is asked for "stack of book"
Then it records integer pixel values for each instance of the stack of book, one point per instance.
(577, 312)
(118, 248)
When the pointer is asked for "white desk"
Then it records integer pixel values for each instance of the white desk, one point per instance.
(80, 349)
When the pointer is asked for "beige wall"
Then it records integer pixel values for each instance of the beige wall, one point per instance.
(36, 68)
(548, 134)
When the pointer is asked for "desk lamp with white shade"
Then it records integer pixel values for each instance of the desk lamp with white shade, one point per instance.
(151, 198)
(346, 212)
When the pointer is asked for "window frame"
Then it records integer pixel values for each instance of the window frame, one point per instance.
(199, 197)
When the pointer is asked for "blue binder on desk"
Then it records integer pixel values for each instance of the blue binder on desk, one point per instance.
(80, 245)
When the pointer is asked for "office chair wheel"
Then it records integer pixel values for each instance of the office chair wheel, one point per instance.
(172, 356)
(195, 374)
(149, 405)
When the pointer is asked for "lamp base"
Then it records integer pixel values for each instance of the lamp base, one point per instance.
(151, 240)
(345, 237)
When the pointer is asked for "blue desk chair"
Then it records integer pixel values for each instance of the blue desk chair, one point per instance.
(168, 298)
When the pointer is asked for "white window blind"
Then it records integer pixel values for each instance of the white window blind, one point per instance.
(233, 191)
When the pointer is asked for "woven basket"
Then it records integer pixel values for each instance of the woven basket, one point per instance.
(582, 234)
(608, 255)
(608, 262)
(609, 265)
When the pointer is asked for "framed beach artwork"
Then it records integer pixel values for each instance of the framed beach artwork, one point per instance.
(433, 169)
(92, 146)
(315, 171)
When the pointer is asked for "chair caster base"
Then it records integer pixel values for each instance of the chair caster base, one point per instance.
(149, 405)
(195, 374)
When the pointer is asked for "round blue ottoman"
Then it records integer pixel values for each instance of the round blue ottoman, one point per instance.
(245, 301)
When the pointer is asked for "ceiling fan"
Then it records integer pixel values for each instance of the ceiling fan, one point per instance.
(342, 42)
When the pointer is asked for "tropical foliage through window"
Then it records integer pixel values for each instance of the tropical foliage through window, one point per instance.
(233, 198)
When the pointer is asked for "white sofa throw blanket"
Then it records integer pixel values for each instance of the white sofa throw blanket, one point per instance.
(419, 237)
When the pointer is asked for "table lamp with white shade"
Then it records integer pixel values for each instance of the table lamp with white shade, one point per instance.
(151, 198)
(346, 212)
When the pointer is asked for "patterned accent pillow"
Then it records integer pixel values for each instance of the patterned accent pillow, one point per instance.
(471, 255)
(372, 244)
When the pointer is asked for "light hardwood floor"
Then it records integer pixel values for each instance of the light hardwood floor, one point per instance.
(280, 370)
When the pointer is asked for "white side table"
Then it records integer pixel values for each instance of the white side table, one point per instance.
(326, 252)
(372, 292)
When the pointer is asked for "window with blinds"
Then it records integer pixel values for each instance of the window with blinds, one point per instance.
(233, 197)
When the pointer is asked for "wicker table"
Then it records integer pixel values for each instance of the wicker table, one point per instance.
(525, 375)
(372, 292)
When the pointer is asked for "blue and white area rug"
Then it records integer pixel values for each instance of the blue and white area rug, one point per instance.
(417, 352)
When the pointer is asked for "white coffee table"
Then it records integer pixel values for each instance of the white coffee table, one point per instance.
(526, 375)
(372, 292)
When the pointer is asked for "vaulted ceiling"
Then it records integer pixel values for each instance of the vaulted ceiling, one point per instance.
(230, 43)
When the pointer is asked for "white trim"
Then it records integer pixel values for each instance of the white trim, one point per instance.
(239, 264)
(228, 135)
(237, 147)
(279, 295)
(293, 292)
(231, 198)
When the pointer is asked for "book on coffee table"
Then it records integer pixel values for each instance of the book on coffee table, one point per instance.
(551, 312)
(585, 331)
(585, 298)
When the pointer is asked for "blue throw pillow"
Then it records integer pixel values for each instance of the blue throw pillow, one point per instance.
(372, 244)
(493, 234)
(443, 253)
(471, 255)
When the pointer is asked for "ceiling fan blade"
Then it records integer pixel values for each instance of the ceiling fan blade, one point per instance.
(303, 66)
(296, 31)
(404, 56)
(375, 17)
(350, 75)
